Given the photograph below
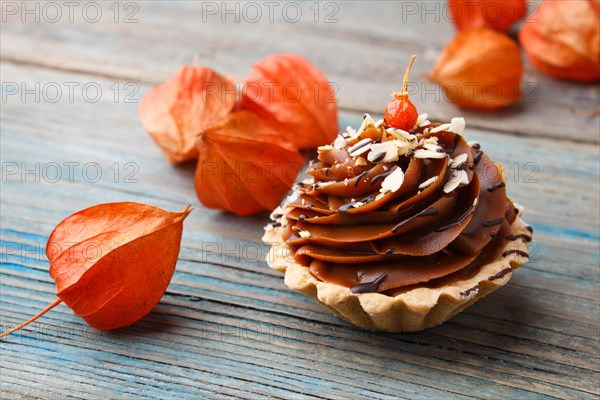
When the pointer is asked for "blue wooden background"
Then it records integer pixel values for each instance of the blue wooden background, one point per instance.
(227, 326)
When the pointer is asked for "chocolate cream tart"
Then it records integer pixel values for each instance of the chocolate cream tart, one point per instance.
(398, 231)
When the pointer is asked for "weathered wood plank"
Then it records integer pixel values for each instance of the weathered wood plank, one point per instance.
(227, 323)
(369, 348)
(363, 52)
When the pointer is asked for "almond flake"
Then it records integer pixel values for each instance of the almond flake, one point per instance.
(422, 118)
(421, 153)
(431, 146)
(457, 125)
(405, 147)
(458, 160)
(464, 177)
(378, 123)
(276, 211)
(350, 133)
(340, 143)
(358, 204)
(400, 134)
(455, 180)
(440, 128)
(327, 147)
(324, 183)
(360, 161)
(304, 234)
(425, 123)
(367, 120)
(393, 181)
(293, 197)
(360, 147)
(389, 148)
(428, 182)
(433, 139)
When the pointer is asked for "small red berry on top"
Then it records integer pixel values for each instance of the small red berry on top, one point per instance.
(401, 113)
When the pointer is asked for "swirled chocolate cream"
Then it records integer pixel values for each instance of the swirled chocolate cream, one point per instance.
(399, 230)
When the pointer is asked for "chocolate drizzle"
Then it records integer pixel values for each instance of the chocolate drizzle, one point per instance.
(515, 251)
(359, 145)
(359, 177)
(500, 274)
(457, 222)
(493, 222)
(496, 187)
(454, 144)
(477, 157)
(379, 157)
(380, 177)
(429, 212)
(527, 238)
(369, 287)
(344, 208)
(471, 290)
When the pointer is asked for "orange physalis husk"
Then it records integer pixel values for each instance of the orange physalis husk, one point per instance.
(175, 111)
(245, 166)
(480, 69)
(499, 15)
(291, 94)
(113, 262)
(563, 39)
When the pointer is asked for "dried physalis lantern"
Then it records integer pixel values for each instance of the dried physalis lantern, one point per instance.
(113, 262)
(175, 111)
(401, 113)
(291, 94)
(245, 166)
(480, 69)
(563, 39)
(499, 15)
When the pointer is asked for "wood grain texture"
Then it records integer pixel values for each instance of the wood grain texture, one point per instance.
(363, 50)
(227, 326)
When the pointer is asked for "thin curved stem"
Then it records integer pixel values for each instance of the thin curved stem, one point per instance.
(404, 92)
(406, 75)
(30, 320)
